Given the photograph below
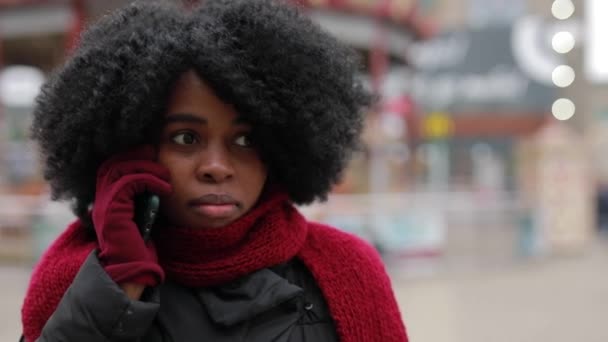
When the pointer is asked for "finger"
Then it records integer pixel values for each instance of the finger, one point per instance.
(132, 290)
(125, 168)
(142, 152)
(141, 183)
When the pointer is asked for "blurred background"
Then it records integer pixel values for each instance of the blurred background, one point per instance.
(482, 181)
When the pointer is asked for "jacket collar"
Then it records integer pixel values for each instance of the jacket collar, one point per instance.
(247, 297)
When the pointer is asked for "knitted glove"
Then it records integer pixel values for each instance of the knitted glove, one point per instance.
(122, 250)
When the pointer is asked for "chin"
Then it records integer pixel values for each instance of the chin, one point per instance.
(210, 224)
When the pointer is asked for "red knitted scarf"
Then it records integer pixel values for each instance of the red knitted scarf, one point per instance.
(268, 235)
(347, 270)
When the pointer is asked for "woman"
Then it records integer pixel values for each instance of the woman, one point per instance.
(229, 112)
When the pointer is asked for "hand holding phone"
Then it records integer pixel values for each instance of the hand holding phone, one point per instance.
(125, 206)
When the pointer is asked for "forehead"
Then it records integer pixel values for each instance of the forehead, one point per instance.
(193, 96)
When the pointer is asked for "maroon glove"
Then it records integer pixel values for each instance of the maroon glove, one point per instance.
(123, 252)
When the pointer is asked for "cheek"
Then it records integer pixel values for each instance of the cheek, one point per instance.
(170, 206)
(176, 166)
(257, 175)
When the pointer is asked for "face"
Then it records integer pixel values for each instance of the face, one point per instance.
(216, 172)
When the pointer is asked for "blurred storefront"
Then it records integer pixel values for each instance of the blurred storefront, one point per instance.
(464, 90)
(35, 37)
(475, 80)
(382, 31)
(464, 169)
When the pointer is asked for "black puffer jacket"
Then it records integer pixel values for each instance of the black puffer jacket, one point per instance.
(278, 304)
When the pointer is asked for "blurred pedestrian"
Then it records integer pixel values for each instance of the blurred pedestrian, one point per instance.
(231, 112)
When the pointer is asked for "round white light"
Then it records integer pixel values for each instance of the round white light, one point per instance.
(19, 85)
(563, 76)
(562, 9)
(563, 109)
(563, 42)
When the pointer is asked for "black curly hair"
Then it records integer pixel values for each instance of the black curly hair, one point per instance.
(295, 84)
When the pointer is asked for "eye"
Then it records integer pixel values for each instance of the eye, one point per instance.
(184, 138)
(244, 140)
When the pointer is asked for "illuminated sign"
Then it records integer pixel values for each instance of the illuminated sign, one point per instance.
(472, 70)
(596, 50)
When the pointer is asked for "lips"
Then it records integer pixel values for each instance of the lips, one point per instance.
(215, 206)
(214, 199)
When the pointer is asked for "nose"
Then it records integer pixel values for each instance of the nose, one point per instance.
(215, 165)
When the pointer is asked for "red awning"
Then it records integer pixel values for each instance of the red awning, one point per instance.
(9, 3)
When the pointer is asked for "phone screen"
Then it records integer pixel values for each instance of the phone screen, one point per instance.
(146, 209)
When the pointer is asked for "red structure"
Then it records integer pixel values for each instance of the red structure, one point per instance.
(400, 12)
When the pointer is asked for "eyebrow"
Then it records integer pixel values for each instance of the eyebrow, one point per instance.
(185, 117)
(191, 118)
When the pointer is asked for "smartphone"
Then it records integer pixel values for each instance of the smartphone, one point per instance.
(146, 209)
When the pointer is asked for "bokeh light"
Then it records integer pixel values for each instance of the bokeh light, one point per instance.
(562, 9)
(563, 76)
(563, 42)
(563, 109)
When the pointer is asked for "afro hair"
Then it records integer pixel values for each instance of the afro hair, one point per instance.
(295, 84)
